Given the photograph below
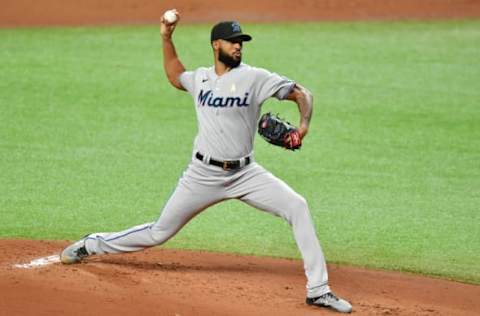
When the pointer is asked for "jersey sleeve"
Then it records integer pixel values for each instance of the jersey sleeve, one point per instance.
(270, 84)
(187, 80)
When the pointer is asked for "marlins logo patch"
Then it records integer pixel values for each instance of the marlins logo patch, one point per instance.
(236, 27)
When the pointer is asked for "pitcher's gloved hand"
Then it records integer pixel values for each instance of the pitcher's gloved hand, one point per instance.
(279, 132)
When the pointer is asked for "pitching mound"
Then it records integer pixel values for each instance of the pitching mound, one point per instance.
(181, 283)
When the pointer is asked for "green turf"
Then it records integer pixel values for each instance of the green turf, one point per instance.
(92, 138)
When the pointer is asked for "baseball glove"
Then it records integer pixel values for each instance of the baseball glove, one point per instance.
(279, 132)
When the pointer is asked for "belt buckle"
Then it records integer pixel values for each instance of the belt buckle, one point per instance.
(225, 165)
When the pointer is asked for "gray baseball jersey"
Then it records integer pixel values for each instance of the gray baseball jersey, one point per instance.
(228, 107)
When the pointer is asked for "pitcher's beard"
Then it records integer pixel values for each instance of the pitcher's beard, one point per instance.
(227, 60)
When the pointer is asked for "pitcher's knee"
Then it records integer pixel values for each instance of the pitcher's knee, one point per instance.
(160, 235)
(299, 204)
(297, 208)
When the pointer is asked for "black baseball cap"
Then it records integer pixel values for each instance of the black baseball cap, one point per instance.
(227, 30)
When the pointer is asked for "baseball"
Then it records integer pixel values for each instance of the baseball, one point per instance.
(170, 16)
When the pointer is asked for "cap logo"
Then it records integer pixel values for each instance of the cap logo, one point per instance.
(236, 27)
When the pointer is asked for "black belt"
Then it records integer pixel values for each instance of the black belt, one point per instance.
(225, 165)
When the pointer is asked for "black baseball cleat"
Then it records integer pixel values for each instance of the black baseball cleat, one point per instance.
(329, 300)
(74, 253)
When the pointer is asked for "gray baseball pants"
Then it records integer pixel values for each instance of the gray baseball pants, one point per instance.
(203, 185)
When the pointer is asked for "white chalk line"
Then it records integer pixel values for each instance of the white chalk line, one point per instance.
(39, 262)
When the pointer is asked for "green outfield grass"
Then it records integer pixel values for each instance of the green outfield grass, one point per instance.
(92, 138)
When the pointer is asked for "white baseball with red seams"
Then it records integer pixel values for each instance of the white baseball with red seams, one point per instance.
(170, 16)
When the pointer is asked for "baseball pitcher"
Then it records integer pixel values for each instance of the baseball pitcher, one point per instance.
(228, 97)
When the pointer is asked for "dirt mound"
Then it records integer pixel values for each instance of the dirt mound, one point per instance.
(169, 282)
(85, 12)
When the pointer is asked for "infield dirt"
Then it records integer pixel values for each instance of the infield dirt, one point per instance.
(171, 282)
(15, 13)
(182, 283)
